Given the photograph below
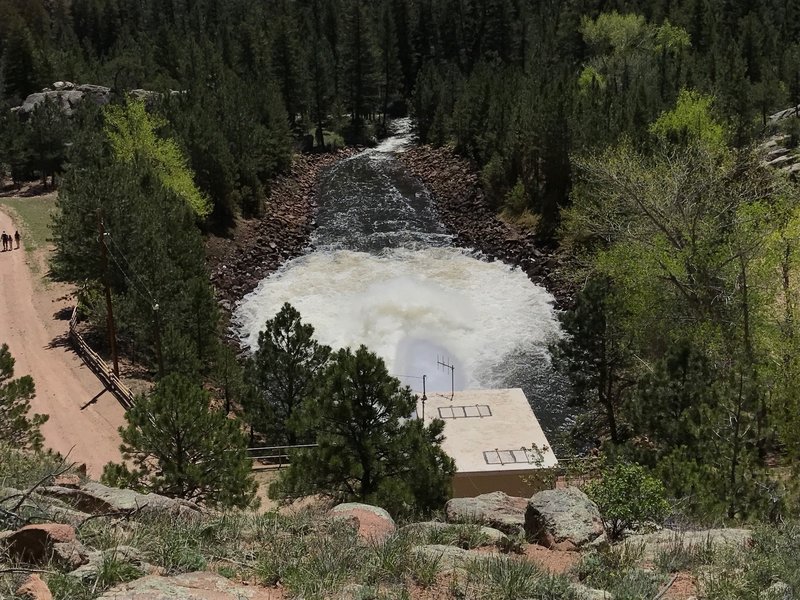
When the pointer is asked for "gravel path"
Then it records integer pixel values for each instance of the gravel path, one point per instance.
(34, 321)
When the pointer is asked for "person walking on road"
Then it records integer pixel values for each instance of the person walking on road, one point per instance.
(5, 241)
(16, 238)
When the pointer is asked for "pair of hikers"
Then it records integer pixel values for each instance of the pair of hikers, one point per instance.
(8, 240)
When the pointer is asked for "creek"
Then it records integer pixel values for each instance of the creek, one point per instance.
(383, 272)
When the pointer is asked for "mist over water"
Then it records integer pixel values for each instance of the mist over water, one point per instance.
(383, 272)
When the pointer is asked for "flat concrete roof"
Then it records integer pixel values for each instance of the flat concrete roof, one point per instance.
(489, 431)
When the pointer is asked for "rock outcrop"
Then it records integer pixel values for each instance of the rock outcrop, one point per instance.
(373, 523)
(497, 509)
(563, 519)
(194, 586)
(778, 151)
(39, 544)
(652, 543)
(96, 498)
(68, 96)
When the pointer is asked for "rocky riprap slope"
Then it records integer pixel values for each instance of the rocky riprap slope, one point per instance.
(258, 247)
(465, 211)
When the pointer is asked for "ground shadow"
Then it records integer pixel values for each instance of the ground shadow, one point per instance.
(60, 341)
(64, 314)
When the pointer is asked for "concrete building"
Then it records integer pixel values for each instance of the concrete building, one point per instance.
(494, 438)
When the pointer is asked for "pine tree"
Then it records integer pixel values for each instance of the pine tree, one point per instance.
(17, 428)
(390, 64)
(283, 372)
(596, 357)
(48, 131)
(370, 449)
(360, 67)
(288, 65)
(182, 447)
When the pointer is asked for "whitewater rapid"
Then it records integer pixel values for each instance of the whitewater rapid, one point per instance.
(412, 306)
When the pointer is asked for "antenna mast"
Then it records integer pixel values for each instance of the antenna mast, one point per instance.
(446, 365)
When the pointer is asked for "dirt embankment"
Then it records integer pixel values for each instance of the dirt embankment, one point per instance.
(467, 214)
(258, 247)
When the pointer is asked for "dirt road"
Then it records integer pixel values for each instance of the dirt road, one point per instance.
(34, 321)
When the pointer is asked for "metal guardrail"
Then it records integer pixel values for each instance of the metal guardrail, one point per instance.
(266, 457)
(99, 366)
(274, 457)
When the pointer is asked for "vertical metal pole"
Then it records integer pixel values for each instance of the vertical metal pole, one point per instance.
(159, 354)
(112, 332)
(424, 396)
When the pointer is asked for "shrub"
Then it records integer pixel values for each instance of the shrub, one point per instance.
(616, 571)
(628, 496)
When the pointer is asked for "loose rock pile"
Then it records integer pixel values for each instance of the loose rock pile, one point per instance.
(260, 246)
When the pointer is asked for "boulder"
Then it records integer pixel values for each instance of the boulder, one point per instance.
(587, 593)
(189, 586)
(68, 480)
(125, 554)
(69, 516)
(38, 544)
(96, 498)
(374, 524)
(497, 509)
(564, 519)
(449, 557)
(34, 588)
(653, 543)
(777, 591)
(453, 557)
(41, 507)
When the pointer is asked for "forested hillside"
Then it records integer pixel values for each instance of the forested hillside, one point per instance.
(626, 132)
(516, 84)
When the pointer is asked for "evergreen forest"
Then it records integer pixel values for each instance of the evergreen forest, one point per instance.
(626, 133)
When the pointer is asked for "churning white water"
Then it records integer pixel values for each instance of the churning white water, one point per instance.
(384, 274)
(412, 306)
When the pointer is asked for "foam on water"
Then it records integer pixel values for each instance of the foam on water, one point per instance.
(410, 307)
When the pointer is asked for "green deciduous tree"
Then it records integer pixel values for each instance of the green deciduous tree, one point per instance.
(370, 448)
(628, 496)
(18, 429)
(133, 135)
(693, 236)
(182, 447)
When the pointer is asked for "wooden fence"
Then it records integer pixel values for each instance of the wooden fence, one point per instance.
(99, 366)
(267, 457)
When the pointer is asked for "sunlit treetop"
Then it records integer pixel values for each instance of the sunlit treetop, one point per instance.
(133, 133)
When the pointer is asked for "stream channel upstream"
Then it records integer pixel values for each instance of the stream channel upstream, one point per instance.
(383, 272)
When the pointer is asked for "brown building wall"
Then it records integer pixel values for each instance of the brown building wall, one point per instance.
(516, 483)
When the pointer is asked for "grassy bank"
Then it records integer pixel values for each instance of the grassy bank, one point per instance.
(32, 216)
